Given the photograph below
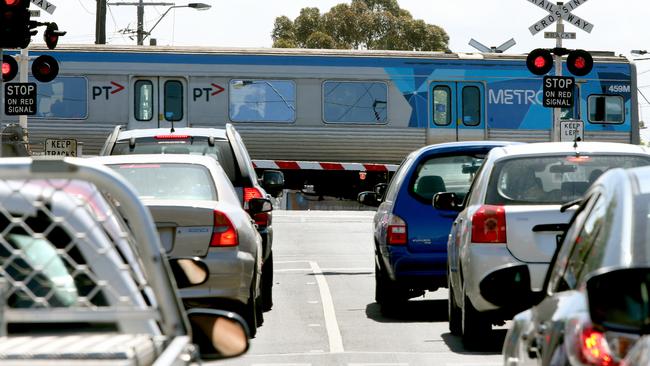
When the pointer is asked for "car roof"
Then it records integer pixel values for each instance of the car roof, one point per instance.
(158, 158)
(544, 148)
(460, 145)
(191, 131)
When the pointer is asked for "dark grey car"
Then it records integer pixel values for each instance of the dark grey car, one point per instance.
(609, 232)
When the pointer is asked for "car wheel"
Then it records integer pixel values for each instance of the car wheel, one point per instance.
(267, 283)
(387, 293)
(453, 311)
(474, 325)
(250, 314)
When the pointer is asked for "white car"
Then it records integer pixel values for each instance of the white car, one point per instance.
(511, 216)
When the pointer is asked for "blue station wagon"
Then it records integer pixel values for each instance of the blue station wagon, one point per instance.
(410, 234)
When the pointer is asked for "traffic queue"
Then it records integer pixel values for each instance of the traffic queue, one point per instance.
(546, 233)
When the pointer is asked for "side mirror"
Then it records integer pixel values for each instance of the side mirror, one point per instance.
(505, 284)
(218, 334)
(618, 300)
(258, 205)
(368, 198)
(380, 190)
(189, 272)
(446, 201)
(273, 182)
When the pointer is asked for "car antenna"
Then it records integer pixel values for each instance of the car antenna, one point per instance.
(172, 130)
(575, 144)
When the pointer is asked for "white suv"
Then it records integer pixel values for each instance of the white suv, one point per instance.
(512, 216)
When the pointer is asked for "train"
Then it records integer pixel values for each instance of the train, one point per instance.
(337, 120)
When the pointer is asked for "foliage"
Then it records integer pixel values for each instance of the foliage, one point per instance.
(363, 24)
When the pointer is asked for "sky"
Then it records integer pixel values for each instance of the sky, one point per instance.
(619, 26)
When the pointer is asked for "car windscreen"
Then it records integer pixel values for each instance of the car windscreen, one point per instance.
(551, 179)
(444, 174)
(197, 145)
(169, 181)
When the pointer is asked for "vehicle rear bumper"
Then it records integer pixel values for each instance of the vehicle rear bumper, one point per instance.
(481, 260)
(419, 270)
(231, 275)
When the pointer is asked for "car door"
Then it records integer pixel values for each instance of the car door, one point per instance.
(157, 102)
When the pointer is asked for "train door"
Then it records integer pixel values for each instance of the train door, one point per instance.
(157, 102)
(457, 112)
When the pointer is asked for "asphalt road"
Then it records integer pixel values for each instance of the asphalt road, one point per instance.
(324, 311)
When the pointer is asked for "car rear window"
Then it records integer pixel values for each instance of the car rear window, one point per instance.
(444, 174)
(169, 181)
(198, 145)
(551, 179)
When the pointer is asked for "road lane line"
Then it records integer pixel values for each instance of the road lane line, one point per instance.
(326, 270)
(333, 332)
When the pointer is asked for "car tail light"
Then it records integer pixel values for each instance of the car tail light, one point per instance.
(489, 225)
(588, 346)
(396, 233)
(172, 137)
(224, 233)
(261, 219)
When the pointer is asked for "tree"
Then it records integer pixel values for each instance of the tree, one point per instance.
(371, 24)
(284, 34)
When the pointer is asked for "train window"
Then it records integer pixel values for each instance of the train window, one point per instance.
(143, 100)
(471, 106)
(262, 101)
(173, 100)
(355, 102)
(64, 98)
(441, 105)
(606, 109)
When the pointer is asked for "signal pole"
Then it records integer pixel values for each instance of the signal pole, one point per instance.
(558, 72)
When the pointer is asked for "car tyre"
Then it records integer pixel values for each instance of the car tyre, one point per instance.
(474, 325)
(250, 314)
(387, 294)
(454, 312)
(267, 283)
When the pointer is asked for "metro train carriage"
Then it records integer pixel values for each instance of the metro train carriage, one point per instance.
(322, 105)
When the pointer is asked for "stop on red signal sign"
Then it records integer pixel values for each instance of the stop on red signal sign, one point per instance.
(558, 91)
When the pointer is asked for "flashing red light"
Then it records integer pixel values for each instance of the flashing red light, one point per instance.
(172, 137)
(539, 61)
(580, 63)
(13, 2)
(9, 68)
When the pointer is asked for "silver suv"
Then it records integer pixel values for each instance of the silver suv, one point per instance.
(226, 146)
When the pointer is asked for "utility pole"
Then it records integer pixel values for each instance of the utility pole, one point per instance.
(100, 22)
(140, 22)
(141, 4)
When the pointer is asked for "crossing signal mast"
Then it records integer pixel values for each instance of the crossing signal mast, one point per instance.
(16, 31)
(558, 89)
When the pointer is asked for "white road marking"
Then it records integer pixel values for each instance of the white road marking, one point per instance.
(325, 269)
(378, 364)
(333, 332)
(281, 364)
